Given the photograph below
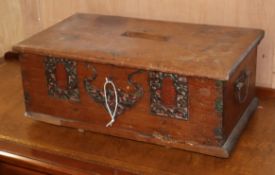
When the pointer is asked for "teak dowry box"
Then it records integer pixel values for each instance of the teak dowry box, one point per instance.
(181, 85)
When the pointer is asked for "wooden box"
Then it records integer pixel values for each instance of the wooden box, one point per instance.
(180, 85)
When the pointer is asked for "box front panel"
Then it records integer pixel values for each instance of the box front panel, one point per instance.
(156, 107)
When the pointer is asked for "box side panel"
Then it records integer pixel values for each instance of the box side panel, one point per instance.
(82, 106)
(239, 91)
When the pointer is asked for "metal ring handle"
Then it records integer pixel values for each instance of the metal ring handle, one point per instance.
(112, 114)
(242, 82)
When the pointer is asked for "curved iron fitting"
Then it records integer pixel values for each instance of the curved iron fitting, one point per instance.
(124, 100)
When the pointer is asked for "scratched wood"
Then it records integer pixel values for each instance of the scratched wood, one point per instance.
(22, 18)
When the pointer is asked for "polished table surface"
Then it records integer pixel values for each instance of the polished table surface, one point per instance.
(87, 152)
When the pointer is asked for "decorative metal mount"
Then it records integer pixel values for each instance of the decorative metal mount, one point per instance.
(71, 92)
(180, 109)
(111, 113)
(124, 100)
(242, 86)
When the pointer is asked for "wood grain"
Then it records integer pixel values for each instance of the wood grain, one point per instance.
(15, 170)
(190, 49)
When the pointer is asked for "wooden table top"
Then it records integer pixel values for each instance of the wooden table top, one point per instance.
(146, 44)
(254, 154)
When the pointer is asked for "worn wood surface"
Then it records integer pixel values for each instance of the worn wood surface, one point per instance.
(188, 49)
(44, 143)
(16, 170)
(18, 159)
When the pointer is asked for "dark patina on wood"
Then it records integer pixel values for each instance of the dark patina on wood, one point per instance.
(161, 71)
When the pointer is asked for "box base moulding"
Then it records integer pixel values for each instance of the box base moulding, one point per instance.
(222, 151)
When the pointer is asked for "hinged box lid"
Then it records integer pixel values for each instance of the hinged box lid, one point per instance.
(189, 49)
